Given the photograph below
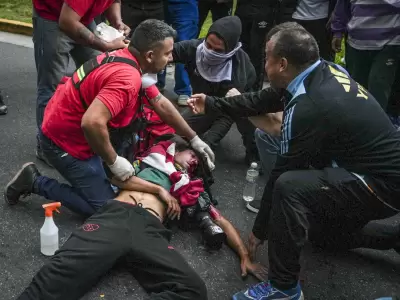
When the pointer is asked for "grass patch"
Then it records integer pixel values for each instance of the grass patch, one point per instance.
(18, 10)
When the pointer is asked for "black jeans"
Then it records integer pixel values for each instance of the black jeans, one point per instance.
(118, 231)
(218, 10)
(133, 15)
(329, 207)
(255, 26)
(322, 35)
(213, 126)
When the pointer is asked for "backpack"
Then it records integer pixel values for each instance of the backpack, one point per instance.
(145, 126)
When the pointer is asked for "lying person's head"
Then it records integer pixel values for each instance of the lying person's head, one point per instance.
(152, 44)
(189, 159)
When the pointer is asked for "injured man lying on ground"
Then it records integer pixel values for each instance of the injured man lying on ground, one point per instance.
(168, 185)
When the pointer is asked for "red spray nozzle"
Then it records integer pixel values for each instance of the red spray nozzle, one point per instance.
(50, 207)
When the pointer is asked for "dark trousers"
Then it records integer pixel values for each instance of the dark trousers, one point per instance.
(218, 10)
(329, 207)
(89, 187)
(118, 232)
(53, 50)
(213, 126)
(374, 69)
(393, 107)
(133, 15)
(322, 35)
(255, 26)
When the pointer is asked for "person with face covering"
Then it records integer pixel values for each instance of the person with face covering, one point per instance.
(216, 65)
(99, 104)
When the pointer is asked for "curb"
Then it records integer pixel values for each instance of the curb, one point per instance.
(16, 27)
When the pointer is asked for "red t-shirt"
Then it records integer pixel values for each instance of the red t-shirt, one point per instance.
(116, 85)
(86, 9)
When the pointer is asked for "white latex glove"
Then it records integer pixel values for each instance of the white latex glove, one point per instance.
(232, 92)
(122, 168)
(205, 150)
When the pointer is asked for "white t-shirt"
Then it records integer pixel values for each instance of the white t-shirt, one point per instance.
(311, 10)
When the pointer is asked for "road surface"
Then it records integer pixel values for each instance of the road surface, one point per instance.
(361, 274)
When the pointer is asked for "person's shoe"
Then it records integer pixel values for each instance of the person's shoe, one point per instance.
(21, 184)
(182, 100)
(254, 206)
(40, 155)
(3, 107)
(265, 291)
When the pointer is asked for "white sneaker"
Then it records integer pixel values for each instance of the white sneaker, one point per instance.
(182, 100)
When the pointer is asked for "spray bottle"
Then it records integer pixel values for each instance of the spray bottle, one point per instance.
(49, 242)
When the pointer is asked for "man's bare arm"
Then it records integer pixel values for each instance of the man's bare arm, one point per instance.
(71, 25)
(233, 238)
(170, 115)
(113, 13)
(270, 123)
(94, 126)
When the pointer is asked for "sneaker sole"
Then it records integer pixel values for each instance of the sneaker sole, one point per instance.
(12, 182)
(300, 298)
(182, 103)
(251, 208)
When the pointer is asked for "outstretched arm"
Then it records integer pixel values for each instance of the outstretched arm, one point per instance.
(236, 243)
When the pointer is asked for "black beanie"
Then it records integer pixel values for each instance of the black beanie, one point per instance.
(227, 29)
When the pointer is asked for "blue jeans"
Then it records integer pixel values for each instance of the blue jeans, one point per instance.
(89, 188)
(53, 50)
(268, 148)
(184, 18)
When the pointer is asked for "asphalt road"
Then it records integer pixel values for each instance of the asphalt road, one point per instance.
(361, 274)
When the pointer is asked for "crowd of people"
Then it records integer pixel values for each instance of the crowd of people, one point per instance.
(326, 135)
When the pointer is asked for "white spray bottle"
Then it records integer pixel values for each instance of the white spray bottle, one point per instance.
(49, 242)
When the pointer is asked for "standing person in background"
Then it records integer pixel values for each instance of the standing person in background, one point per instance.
(136, 11)
(218, 8)
(373, 43)
(64, 29)
(183, 16)
(313, 15)
(258, 17)
(3, 107)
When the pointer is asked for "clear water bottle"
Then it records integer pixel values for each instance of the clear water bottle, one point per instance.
(249, 191)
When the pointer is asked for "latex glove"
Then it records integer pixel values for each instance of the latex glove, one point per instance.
(122, 168)
(232, 92)
(204, 149)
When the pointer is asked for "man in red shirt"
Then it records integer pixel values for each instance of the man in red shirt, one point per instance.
(75, 132)
(62, 29)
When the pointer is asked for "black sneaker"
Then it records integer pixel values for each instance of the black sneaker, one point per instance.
(254, 206)
(40, 155)
(21, 184)
(3, 107)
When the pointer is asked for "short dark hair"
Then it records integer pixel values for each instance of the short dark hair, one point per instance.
(298, 46)
(283, 26)
(149, 34)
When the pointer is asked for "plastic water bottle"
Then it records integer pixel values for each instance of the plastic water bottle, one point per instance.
(49, 242)
(249, 191)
